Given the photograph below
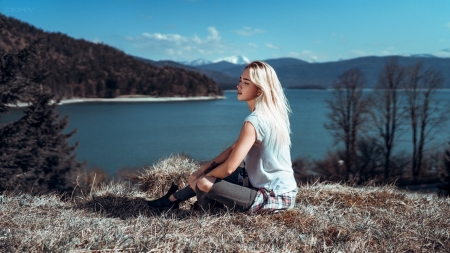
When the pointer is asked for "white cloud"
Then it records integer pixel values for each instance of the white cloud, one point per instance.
(271, 46)
(213, 33)
(175, 38)
(179, 47)
(248, 31)
(388, 51)
(253, 45)
(448, 25)
(294, 54)
(309, 56)
(360, 53)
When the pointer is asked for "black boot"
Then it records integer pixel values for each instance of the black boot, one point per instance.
(164, 203)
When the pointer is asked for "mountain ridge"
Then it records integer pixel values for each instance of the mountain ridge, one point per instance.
(294, 72)
(235, 59)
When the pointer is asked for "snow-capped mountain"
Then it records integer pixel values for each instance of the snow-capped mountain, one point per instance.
(197, 62)
(237, 59)
(444, 53)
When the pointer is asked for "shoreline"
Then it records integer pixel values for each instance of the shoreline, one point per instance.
(130, 99)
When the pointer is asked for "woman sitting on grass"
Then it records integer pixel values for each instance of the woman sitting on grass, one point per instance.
(263, 145)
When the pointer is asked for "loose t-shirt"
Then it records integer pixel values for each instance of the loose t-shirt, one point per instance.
(267, 169)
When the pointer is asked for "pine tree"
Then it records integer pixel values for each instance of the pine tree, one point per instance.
(35, 156)
(14, 86)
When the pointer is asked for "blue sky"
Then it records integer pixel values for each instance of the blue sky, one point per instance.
(184, 30)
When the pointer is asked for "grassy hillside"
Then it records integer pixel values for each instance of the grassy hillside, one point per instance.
(327, 218)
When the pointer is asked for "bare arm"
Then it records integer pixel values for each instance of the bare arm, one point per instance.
(215, 162)
(240, 149)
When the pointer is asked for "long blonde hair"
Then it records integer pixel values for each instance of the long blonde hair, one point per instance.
(272, 104)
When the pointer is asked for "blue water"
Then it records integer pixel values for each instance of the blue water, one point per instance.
(136, 134)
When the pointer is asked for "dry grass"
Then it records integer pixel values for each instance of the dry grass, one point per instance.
(327, 218)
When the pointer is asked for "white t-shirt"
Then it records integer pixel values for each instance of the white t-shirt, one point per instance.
(266, 169)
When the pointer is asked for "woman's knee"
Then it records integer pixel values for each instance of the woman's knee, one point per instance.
(205, 184)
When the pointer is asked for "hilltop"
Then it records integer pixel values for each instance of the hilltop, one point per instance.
(80, 68)
(327, 218)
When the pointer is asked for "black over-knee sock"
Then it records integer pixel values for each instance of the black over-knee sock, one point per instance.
(184, 194)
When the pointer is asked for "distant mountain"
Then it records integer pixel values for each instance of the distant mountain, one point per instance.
(237, 59)
(80, 68)
(323, 74)
(444, 53)
(197, 62)
(231, 59)
(236, 69)
(285, 62)
(221, 66)
(223, 80)
(297, 73)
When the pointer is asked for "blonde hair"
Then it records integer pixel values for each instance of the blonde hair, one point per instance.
(272, 104)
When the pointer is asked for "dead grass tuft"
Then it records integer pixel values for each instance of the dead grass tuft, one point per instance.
(327, 218)
(156, 179)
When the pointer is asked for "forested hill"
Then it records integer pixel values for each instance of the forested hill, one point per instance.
(79, 68)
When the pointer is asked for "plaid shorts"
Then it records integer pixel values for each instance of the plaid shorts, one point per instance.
(267, 202)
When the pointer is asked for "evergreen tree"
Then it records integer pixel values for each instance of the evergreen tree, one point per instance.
(35, 156)
(13, 84)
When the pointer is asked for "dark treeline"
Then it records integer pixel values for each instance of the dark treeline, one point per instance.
(35, 154)
(79, 68)
(368, 127)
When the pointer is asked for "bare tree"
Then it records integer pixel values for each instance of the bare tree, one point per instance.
(348, 113)
(445, 185)
(369, 153)
(387, 112)
(331, 167)
(425, 114)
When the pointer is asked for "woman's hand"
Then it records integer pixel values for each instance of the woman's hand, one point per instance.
(195, 175)
(192, 181)
(193, 178)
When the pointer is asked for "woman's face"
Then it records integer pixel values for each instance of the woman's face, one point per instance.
(247, 90)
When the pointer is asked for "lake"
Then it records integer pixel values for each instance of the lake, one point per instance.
(115, 135)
